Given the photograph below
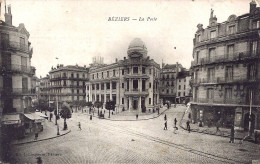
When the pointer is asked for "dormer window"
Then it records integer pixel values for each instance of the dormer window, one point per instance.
(231, 29)
(212, 34)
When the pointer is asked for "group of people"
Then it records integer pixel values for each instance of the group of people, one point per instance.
(165, 124)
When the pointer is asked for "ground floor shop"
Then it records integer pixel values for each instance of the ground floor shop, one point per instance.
(226, 116)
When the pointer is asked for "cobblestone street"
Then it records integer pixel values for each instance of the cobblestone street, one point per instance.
(105, 141)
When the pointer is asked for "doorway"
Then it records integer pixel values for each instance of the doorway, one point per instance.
(135, 104)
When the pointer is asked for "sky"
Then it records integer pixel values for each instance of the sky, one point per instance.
(75, 31)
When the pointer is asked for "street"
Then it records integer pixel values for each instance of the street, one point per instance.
(105, 141)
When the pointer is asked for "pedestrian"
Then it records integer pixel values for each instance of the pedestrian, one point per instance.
(232, 134)
(91, 117)
(188, 126)
(36, 136)
(158, 109)
(79, 126)
(136, 116)
(165, 117)
(217, 127)
(50, 116)
(175, 122)
(39, 160)
(165, 125)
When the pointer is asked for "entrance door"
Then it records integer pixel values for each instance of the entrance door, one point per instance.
(135, 104)
(246, 122)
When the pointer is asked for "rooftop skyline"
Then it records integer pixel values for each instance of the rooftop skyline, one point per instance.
(76, 31)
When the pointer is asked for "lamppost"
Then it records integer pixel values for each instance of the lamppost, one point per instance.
(58, 129)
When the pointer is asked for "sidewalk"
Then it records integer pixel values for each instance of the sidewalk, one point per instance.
(49, 132)
(126, 115)
(224, 132)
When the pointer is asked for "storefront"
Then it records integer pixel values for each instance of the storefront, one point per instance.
(12, 127)
(33, 123)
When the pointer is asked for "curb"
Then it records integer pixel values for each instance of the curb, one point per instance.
(138, 119)
(43, 139)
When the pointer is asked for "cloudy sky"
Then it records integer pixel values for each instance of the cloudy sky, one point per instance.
(77, 30)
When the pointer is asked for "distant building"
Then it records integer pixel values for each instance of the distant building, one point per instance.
(68, 83)
(227, 72)
(133, 83)
(183, 87)
(16, 76)
(44, 87)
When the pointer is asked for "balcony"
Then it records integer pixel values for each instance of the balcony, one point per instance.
(226, 58)
(136, 76)
(11, 45)
(58, 78)
(136, 92)
(17, 69)
(223, 80)
(17, 91)
(231, 101)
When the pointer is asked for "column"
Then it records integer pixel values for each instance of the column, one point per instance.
(126, 103)
(105, 92)
(139, 85)
(117, 93)
(99, 91)
(130, 103)
(139, 104)
(110, 90)
(95, 92)
(90, 92)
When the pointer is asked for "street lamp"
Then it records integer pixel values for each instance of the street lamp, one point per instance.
(58, 129)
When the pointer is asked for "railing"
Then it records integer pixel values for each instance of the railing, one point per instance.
(10, 91)
(18, 68)
(226, 57)
(136, 91)
(6, 45)
(230, 79)
(226, 101)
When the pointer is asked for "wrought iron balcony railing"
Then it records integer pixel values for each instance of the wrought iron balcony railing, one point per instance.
(11, 45)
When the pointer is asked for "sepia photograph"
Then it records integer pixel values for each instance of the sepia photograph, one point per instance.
(120, 81)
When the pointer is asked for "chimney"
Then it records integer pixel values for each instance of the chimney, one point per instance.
(252, 6)
(8, 16)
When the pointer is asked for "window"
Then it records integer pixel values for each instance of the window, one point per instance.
(123, 71)
(107, 73)
(251, 72)
(72, 75)
(135, 69)
(254, 48)
(72, 90)
(210, 93)
(230, 51)
(179, 94)
(24, 63)
(83, 75)
(24, 84)
(123, 85)
(183, 93)
(77, 83)
(211, 75)
(167, 91)
(102, 75)
(108, 85)
(179, 80)
(150, 100)
(77, 75)
(213, 34)
(167, 76)
(22, 43)
(87, 87)
(211, 54)
(150, 85)
(150, 71)
(102, 86)
(123, 101)
(143, 70)
(113, 85)
(64, 83)
(84, 91)
(97, 75)
(93, 86)
(197, 56)
(231, 29)
(228, 93)
(184, 80)
(77, 91)
(93, 76)
(114, 73)
(97, 86)
(199, 38)
(229, 73)
(184, 87)
(179, 86)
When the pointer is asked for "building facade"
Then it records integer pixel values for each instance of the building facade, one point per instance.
(168, 82)
(133, 83)
(44, 87)
(183, 87)
(67, 83)
(226, 71)
(16, 76)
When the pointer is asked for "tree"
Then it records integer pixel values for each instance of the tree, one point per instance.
(98, 104)
(89, 104)
(82, 104)
(65, 113)
(110, 105)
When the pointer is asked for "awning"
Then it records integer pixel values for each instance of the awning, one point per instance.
(9, 119)
(41, 114)
(34, 117)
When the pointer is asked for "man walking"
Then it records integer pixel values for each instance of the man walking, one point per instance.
(165, 117)
(188, 126)
(36, 136)
(165, 125)
(175, 122)
(232, 134)
(79, 126)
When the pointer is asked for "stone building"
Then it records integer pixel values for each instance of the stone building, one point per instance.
(44, 86)
(226, 71)
(133, 83)
(183, 87)
(16, 76)
(67, 83)
(168, 82)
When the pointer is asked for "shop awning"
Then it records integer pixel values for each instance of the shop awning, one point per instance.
(41, 114)
(34, 117)
(9, 119)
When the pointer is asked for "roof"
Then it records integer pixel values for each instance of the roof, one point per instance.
(11, 119)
